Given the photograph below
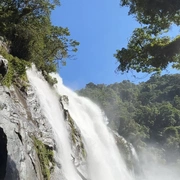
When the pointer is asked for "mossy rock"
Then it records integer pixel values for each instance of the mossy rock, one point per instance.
(16, 69)
(46, 158)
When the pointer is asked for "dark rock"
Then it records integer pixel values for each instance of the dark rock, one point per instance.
(3, 66)
(3, 154)
(12, 171)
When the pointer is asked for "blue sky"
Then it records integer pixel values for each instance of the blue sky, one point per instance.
(101, 27)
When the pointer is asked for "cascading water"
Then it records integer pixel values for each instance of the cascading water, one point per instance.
(103, 159)
(52, 111)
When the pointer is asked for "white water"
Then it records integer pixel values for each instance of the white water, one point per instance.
(103, 159)
(51, 109)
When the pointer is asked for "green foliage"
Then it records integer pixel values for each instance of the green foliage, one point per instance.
(159, 15)
(118, 102)
(27, 26)
(46, 158)
(49, 79)
(16, 68)
(144, 113)
(149, 49)
(171, 142)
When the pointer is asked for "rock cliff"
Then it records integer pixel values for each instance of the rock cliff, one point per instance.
(21, 125)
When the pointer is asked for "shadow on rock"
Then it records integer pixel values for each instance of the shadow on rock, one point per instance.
(3, 153)
(11, 170)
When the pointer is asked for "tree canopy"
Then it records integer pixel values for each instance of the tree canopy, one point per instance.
(27, 27)
(149, 48)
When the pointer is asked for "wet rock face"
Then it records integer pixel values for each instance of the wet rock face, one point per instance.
(21, 120)
(3, 66)
(3, 154)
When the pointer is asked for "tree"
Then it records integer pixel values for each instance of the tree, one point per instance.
(27, 26)
(149, 49)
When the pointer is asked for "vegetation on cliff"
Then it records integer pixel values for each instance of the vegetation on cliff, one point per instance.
(30, 36)
(46, 158)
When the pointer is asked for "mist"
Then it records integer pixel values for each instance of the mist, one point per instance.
(154, 167)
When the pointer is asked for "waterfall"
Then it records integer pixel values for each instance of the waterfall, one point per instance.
(103, 161)
(103, 158)
(51, 109)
